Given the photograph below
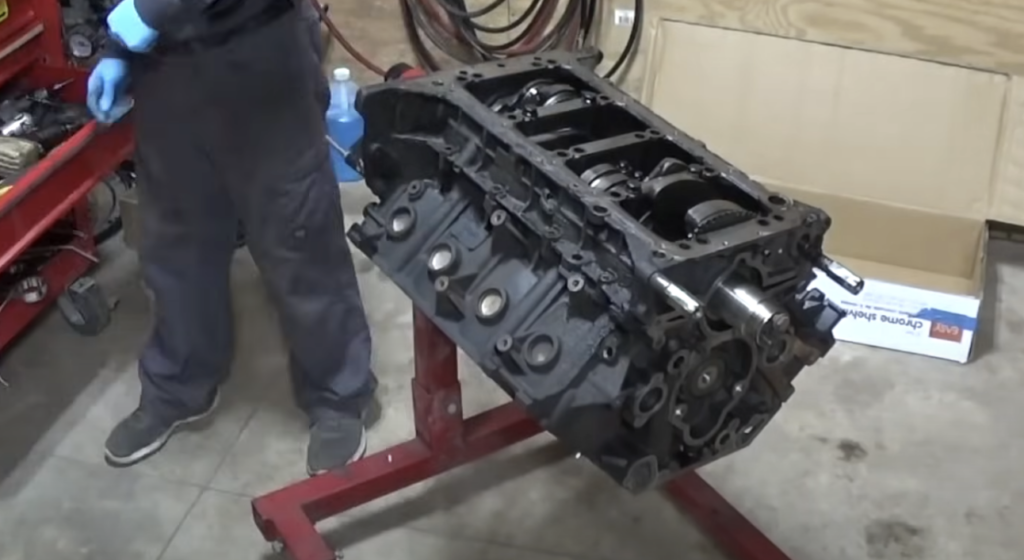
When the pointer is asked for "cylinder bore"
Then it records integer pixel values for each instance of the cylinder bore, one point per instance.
(491, 304)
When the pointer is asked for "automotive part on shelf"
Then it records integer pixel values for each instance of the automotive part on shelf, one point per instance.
(34, 122)
(17, 154)
(644, 299)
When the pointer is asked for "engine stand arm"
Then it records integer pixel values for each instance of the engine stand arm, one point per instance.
(445, 440)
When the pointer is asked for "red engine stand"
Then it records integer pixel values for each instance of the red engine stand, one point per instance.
(444, 440)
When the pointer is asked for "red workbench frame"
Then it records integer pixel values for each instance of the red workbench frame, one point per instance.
(444, 440)
(55, 191)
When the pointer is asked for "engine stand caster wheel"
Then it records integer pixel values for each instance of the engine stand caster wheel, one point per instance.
(85, 307)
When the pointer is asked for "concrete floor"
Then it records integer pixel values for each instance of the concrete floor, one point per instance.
(879, 455)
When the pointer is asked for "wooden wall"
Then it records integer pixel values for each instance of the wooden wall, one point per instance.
(979, 33)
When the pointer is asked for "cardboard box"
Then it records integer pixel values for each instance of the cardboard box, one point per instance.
(909, 157)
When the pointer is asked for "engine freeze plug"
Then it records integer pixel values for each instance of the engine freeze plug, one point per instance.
(491, 304)
(442, 259)
(401, 222)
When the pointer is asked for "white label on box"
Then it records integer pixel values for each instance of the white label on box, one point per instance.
(624, 17)
(906, 319)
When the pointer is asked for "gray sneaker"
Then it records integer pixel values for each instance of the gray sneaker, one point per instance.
(334, 442)
(143, 433)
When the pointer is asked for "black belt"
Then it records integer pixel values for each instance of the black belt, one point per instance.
(273, 12)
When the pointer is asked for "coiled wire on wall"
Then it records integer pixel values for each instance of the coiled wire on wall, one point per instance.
(457, 32)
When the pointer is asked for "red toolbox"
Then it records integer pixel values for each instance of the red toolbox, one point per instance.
(46, 238)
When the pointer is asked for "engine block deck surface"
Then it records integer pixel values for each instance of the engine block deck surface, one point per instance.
(646, 301)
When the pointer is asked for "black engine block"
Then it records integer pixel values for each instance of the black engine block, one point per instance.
(646, 301)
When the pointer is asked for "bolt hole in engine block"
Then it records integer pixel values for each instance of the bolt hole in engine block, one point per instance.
(644, 299)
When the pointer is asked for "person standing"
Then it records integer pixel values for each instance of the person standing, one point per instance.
(228, 101)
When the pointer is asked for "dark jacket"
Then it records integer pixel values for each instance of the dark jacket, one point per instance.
(183, 21)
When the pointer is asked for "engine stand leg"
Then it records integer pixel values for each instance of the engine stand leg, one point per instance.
(444, 440)
(723, 524)
(436, 392)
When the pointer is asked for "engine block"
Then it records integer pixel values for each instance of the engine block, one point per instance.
(643, 299)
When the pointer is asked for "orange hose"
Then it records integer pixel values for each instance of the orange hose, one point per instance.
(340, 38)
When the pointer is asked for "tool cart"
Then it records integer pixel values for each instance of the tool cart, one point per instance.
(52, 155)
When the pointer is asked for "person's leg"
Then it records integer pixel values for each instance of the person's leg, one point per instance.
(271, 98)
(188, 234)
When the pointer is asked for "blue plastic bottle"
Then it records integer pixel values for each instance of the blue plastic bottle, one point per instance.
(344, 123)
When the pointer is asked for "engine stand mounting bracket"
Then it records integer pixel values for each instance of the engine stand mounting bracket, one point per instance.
(644, 300)
(445, 440)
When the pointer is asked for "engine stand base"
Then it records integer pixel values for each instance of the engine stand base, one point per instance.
(444, 440)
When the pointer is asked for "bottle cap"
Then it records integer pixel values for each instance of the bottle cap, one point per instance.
(341, 74)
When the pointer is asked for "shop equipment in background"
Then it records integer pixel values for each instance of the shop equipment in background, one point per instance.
(52, 156)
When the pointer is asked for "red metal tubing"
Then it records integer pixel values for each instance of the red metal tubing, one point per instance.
(734, 534)
(445, 441)
(288, 515)
(51, 188)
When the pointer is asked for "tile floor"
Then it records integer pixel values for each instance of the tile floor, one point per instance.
(879, 455)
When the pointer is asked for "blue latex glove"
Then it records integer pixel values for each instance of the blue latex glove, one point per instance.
(126, 27)
(108, 98)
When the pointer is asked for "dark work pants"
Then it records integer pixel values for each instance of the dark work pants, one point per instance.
(237, 132)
